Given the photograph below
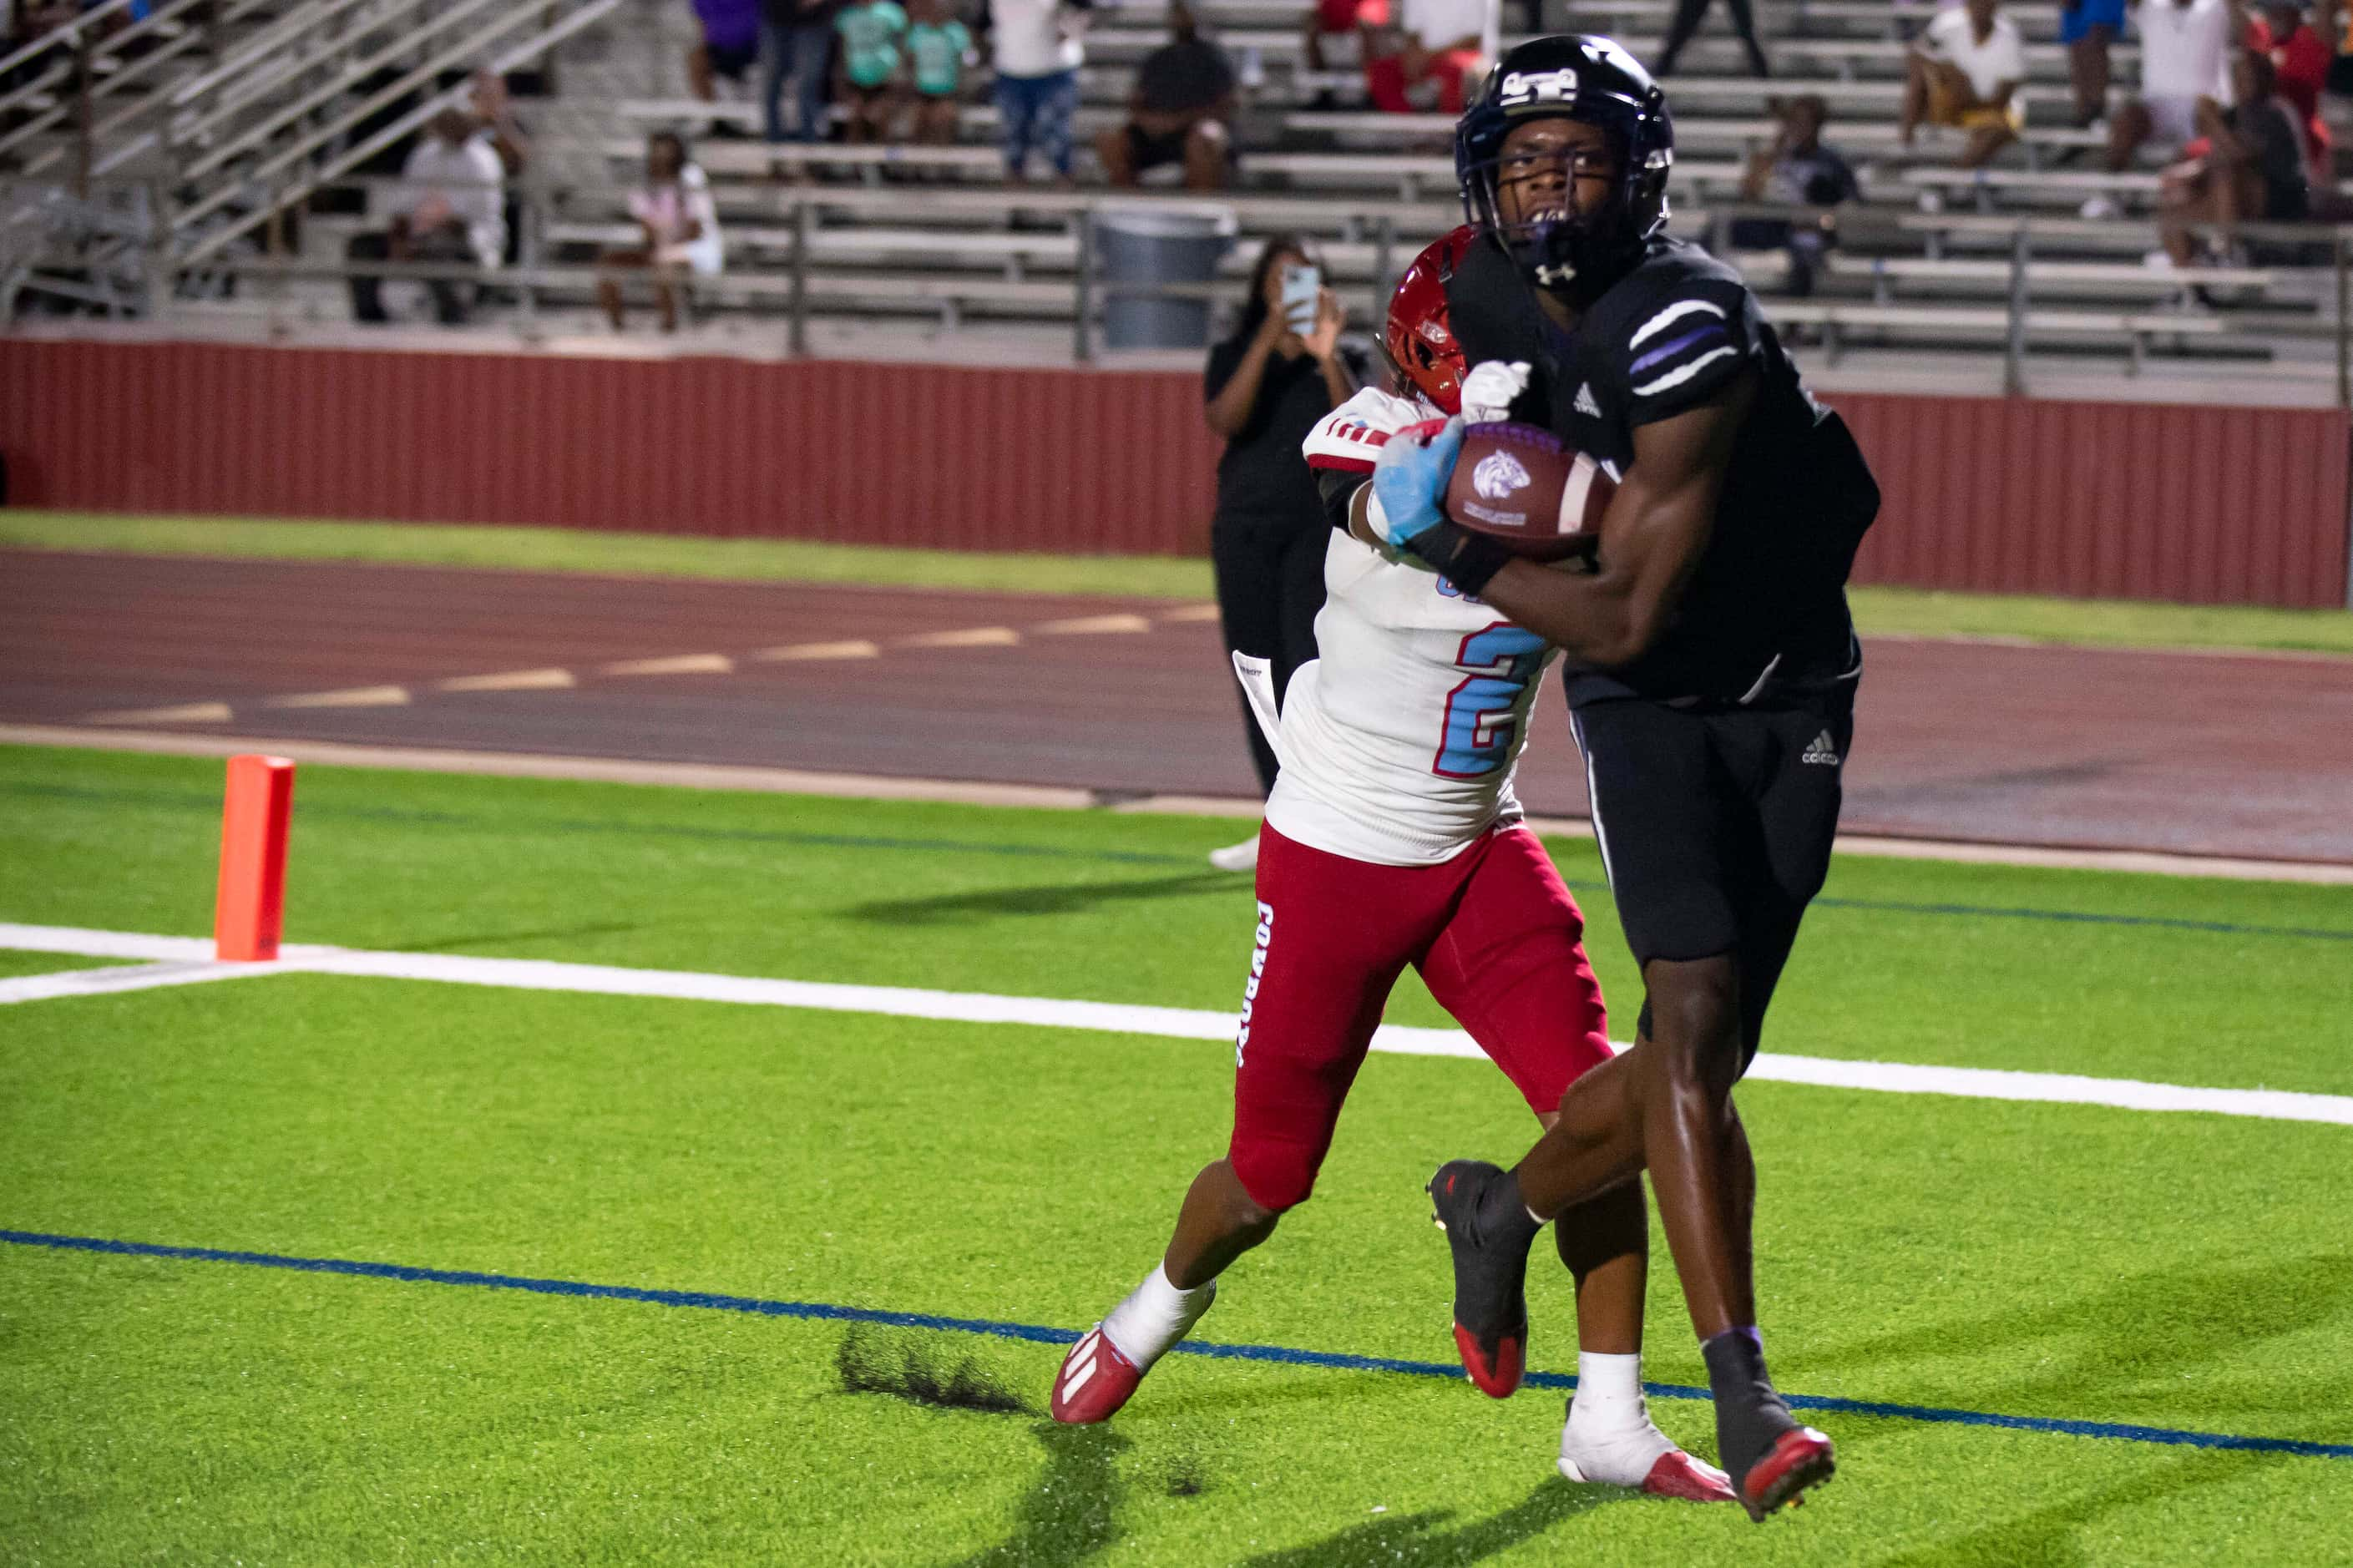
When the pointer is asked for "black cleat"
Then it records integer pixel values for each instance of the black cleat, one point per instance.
(1491, 1269)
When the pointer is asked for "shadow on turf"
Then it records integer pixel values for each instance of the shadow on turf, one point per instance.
(2140, 1333)
(1072, 1514)
(1061, 899)
(1427, 1537)
(2056, 1537)
(915, 1369)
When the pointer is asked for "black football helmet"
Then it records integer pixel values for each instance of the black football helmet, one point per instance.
(1572, 76)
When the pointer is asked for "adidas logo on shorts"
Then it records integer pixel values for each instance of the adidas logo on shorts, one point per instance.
(1822, 751)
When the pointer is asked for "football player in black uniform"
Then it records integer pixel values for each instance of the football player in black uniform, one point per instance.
(1712, 671)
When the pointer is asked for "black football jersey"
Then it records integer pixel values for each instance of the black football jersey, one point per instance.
(1766, 610)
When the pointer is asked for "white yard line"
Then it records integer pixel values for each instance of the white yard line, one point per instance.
(961, 792)
(120, 977)
(1116, 1017)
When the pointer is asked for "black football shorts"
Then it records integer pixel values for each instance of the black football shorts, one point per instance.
(1716, 824)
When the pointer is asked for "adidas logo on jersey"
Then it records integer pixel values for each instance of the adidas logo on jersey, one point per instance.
(1822, 751)
(1585, 403)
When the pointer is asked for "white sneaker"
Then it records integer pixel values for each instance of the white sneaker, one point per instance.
(1641, 1457)
(1242, 856)
(2099, 209)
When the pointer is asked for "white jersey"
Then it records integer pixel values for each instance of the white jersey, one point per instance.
(1398, 742)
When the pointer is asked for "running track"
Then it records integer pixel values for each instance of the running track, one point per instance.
(2240, 755)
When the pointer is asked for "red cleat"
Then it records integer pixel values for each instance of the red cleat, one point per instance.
(1798, 1460)
(1678, 1475)
(1094, 1380)
(1497, 1376)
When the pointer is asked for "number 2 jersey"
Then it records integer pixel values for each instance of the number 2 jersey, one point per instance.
(1399, 740)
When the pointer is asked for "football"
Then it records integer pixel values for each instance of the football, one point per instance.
(1522, 487)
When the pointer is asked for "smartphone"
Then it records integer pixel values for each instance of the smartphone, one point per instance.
(1303, 289)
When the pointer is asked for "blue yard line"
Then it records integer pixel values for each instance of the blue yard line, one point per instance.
(211, 803)
(1280, 1355)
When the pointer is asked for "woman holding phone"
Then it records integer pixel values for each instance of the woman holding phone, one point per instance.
(1267, 385)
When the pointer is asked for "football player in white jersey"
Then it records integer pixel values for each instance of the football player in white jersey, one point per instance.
(1393, 837)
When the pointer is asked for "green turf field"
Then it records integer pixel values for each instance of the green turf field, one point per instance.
(2027, 1259)
(1882, 612)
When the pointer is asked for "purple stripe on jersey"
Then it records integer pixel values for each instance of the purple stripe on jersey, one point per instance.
(1668, 351)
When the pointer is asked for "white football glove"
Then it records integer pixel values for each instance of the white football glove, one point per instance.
(1489, 389)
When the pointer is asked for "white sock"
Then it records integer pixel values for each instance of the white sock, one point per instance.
(1609, 1390)
(1608, 1437)
(1154, 1316)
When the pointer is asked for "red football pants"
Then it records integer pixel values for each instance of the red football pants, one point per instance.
(1497, 938)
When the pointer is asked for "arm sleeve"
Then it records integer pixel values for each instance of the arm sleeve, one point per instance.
(1682, 347)
(1338, 488)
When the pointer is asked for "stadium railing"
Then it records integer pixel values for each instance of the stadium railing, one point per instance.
(816, 252)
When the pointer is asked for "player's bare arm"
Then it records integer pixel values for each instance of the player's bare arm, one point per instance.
(1657, 528)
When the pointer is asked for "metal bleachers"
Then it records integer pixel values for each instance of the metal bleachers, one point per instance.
(1937, 267)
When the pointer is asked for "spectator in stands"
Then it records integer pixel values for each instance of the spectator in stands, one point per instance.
(449, 207)
(938, 48)
(1038, 49)
(2253, 168)
(1181, 111)
(2299, 58)
(678, 224)
(1330, 19)
(1266, 388)
(872, 32)
(1687, 22)
(1802, 171)
(2185, 54)
(1443, 45)
(729, 49)
(1964, 72)
(2089, 29)
(492, 107)
(796, 47)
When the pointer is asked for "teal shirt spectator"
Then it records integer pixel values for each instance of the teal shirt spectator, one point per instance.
(869, 41)
(938, 53)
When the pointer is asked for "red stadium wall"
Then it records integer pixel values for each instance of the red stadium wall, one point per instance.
(2194, 504)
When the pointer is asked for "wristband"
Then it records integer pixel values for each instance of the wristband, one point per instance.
(1468, 561)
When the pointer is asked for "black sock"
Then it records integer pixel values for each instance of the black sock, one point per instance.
(1748, 1413)
(1504, 1213)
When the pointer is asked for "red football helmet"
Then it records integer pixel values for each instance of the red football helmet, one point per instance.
(1419, 340)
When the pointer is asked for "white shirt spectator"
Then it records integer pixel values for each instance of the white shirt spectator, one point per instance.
(1437, 22)
(2185, 51)
(667, 210)
(1030, 37)
(470, 180)
(2001, 58)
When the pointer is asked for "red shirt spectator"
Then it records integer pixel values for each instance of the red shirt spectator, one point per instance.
(2299, 55)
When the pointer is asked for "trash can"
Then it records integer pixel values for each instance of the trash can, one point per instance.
(1146, 246)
